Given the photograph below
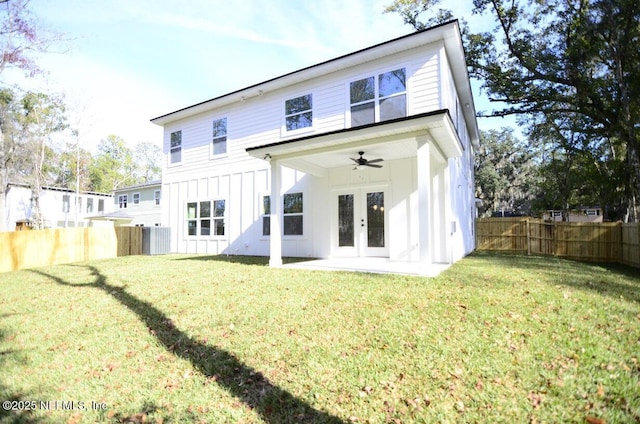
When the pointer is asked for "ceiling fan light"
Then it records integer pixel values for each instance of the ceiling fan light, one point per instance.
(360, 167)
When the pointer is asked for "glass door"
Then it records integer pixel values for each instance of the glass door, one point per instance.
(361, 224)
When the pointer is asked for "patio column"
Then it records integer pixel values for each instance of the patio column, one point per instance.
(424, 199)
(275, 240)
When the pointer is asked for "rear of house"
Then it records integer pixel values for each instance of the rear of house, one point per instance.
(369, 154)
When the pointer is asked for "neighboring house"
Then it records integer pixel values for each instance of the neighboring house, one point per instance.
(275, 169)
(60, 207)
(139, 202)
(586, 214)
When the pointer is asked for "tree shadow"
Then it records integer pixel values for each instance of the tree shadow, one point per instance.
(272, 403)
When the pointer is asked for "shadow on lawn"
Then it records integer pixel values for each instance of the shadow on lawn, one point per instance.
(273, 404)
(614, 280)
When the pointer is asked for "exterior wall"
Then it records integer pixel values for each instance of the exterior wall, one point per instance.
(146, 213)
(585, 215)
(52, 205)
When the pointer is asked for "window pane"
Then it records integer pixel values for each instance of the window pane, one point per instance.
(362, 114)
(218, 206)
(393, 107)
(266, 225)
(392, 82)
(219, 227)
(220, 146)
(375, 219)
(191, 210)
(362, 90)
(191, 226)
(293, 225)
(176, 139)
(302, 120)
(176, 155)
(205, 227)
(293, 203)
(205, 209)
(345, 221)
(220, 127)
(266, 203)
(299, 104)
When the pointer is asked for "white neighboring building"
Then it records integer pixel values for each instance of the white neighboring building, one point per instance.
(274, 169)
(60, 207)
(141, 202)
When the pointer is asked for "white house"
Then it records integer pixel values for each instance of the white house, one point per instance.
(141, 202)
(368, 154)
(60, 207)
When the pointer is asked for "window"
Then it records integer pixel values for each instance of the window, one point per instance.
(176, 147)
(66, 203)
(89, 205)
(136, 198)
(378, 99)
(122, 201)
(298, 113)
(205, 218)
(156, 197)
(100, 205)
(219, 146)
(266, 215)
(292, 213)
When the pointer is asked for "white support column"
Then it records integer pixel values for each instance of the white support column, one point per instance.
(424, 199)
(275, 244)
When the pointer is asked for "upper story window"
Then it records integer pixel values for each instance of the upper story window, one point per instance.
(219, 144)
(100, 205)
(298, 112)
(376, 99)
(89, 205)
(176, 147)
(66, 203)
(122, 201)
(136, 198)
(156, 197)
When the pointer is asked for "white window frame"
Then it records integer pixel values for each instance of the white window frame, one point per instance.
(177, 148)
(213, 155)
(284, 132)
(123, 199)
(263, 214)
(376, 98)
(89, 205)
(133, 199)
(156, 197)
(197, 219)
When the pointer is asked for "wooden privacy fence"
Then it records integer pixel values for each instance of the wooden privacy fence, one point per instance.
(29, 249)
(596, 242)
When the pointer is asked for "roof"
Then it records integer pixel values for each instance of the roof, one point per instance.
(448, 32)
(61, 189)
(143, 185)
(112, 216)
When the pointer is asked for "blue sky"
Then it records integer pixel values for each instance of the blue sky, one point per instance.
(128, 61)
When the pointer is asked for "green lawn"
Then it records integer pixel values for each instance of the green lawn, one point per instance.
(189, 338)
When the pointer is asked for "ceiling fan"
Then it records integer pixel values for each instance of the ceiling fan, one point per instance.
(362, 162)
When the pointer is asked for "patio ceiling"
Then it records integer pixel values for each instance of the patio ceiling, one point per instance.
(389, 140)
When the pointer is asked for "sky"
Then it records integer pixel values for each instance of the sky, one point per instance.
(124, 62)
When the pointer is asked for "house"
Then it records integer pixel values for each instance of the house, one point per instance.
(140, 203)
(583, 214)
(368, 154)
(60, 207)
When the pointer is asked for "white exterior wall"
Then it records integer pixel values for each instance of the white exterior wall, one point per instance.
(146, 213)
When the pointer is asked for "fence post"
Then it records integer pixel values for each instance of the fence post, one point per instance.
(528, 238)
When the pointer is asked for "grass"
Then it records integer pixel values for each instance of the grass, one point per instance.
(212, 339)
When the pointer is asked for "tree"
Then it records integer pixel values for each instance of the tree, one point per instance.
(113, 166)
(572, 65)
(148, 157)
(506, 175)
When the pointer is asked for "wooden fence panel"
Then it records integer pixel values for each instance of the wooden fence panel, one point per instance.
(631, 244)
(502, 234)
(596, 242)
(37, 248)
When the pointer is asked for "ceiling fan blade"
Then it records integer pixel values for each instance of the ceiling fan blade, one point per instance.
(376, 160)
(355, 160)
(373, 166)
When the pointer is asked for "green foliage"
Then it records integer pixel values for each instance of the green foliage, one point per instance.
(113, 166)
(228, 340)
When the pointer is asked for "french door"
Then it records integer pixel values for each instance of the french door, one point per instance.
(361, 223)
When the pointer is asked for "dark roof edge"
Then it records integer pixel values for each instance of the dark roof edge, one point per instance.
(347, 130)
(307, 68)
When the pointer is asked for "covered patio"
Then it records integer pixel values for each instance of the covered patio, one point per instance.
(370, 265)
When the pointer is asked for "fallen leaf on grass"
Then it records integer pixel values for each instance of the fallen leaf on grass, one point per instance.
(594, 420)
